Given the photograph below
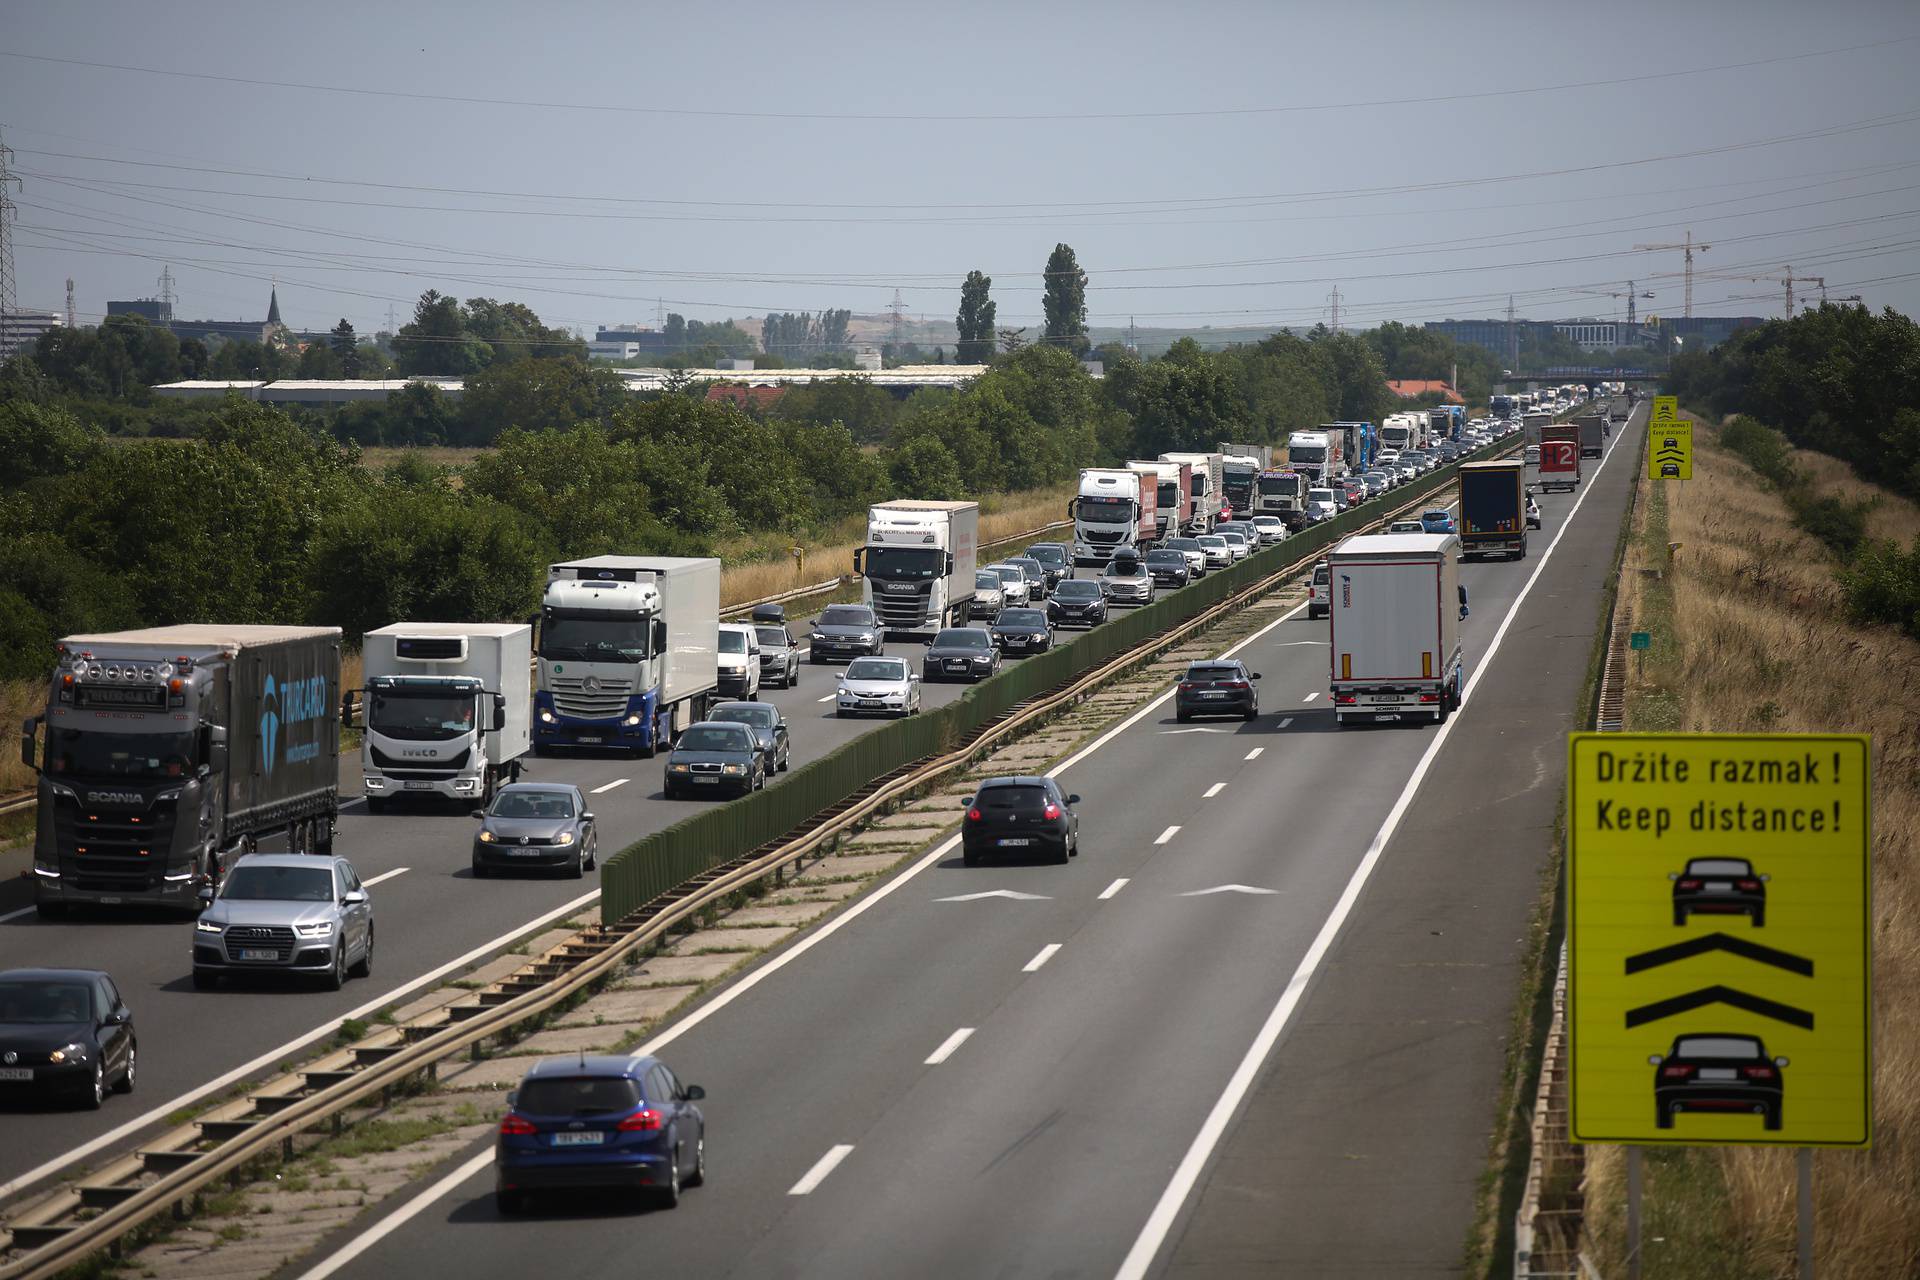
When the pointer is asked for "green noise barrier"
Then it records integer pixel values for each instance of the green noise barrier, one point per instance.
(656, 863)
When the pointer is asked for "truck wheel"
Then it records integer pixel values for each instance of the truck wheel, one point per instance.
(50, 910)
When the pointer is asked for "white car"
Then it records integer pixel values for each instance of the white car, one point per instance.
(1406, 526)
(1321, 504)
(878, 687)
(1196, 555)
(1219, 554)
(739, 661)
(1533, 455)
(1272, 528)
(1237, 543)
(1016, 589)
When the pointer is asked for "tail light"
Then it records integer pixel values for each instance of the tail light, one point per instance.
(1762, 1072)
(1747, 886)
(1345, 699)
(973, 814)
(1051, 812)
(1676, 1073)
(645, 1120)
(517, 1126)
(1429, 697)
(1687, 885)
(1186, 686)
(1234, 684)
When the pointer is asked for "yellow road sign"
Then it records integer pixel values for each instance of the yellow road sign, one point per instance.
(1670, 450)
(1665, 409)
(1718, 939)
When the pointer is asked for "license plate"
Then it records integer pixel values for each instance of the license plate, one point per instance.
(1014, 842)
(956, 666)
(872, 702)
(590, 738)
(1719, 1073)
(709, 780)
(525, 853)
(112, 902)
(16, 1073)
(255, 953)
(1213, 695)
(1387, 697)
(593, 1138)
(419, 786)
(1719, 886)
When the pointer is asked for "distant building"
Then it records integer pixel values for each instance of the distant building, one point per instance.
(154, 310)
(1597, 335)
(20, 329)
(598, 350)
(635, 342)
(216, 332)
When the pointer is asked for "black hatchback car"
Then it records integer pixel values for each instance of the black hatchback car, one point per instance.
(1022, 631)
(1055, 559)
(961, 653)
(64, 1033)
(1217, 687)
(535, 826)
(1715, 1071)
(1719, 886)
(715, 757)
(846, 631)
(1168, 567)
(1020, 815)
(1077, 602)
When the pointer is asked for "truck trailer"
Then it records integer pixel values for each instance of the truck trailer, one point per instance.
(170, 751)
(1204, 485)
(918, 565)
(628, 651)
(1493, 509)
(1240, 467)
(1172, 498)
(1394, 627)
(1594, 429)
(1114, 511)
(1559, 456)
(447, 710)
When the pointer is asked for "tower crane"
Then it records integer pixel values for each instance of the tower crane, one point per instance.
(1690, 248)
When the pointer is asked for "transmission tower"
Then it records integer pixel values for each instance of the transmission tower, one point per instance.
(72, 319)
(899, 310)
(1333, 303)
(8, 302)
(167, 294)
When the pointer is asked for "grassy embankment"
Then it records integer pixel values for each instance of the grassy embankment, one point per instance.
(1749, 634)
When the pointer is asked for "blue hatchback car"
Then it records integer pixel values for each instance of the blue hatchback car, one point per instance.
(600, 1121)
(1437, 520)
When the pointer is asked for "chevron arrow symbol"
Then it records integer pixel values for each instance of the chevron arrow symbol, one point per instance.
(1720, 995)
(1015, 894)
(1720, 942)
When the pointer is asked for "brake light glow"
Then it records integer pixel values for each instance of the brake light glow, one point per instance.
(1051, 812)
(973, 814)
(1748, 886)
(517, 1126)
(1346, 699)
(1429, 697)
(1186, 686)
(645, 1120)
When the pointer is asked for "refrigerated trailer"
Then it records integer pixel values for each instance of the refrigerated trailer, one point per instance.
(1394, 609)
(448, 709)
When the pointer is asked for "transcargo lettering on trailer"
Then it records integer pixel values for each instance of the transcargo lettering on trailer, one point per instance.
(291, 703)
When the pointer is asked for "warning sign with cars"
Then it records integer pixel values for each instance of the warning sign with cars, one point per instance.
(1669, 442)
(1718, 940)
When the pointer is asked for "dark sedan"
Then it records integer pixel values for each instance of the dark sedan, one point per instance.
(535, 826)
(845, 631)
(960, 653)
(1077, 602)
(1719, 886)
(1717, 1072)
(1217, 687)
(715, 758)
(1168, 568)
(1055, 558)
(1022, 631)
(64, 1033)
(768, 725)
(1038, 574)
(1020, 816)
(600, 1120)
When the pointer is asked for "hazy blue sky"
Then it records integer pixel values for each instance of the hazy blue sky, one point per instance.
(703, 155)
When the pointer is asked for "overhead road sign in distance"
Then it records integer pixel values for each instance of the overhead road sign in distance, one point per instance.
(1719, 983)
(1670, 451)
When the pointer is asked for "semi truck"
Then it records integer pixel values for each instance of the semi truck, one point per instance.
(1493, 508)
(1559, 456)
(1394, 604)
(1240, 467)
(1284, 494)
(1359, 443)
(1594, 429)
(628, 651)
(1172, 498)
(918, 565)
(447, 710)
(1403, 431)
(1316, 455)
(1503, 407)
(172, 750)
(1203, 486)
(1113, 511)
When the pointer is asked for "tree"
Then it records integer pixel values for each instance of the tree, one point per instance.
(346, 345)
(1012, 340)
(925, 469)
(320, 360)
(1184, 401)
(536, 395)
(975, 320)
(437, 341)
(1065, 301)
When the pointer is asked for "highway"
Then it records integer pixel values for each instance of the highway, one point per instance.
(1253, 1028)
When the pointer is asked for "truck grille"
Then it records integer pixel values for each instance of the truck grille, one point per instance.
(1097, 536)
(115, 852)
(260, 937)
(419, 768)
(902, 610)
(572, 698)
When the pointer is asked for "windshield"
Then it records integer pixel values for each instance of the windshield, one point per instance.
(278, 884)
(1165, 557)
(1104, 510)
(876, 669)
(78, 753)
(533, 804)
(590, 636)
(1183, 544)
(733, 642)
(1280, 486)
(772, 637)
(758, 717)
(1077, 590)
(906, 562)
(576, 1096)
(1211, 540)
(45, 1002)
(963, 638)
(1307, 453)
(1052, 557)
(847, 615)
(1167, 494)
(1122, 567)
(1021, 618)
(423, 715)
(714, 738)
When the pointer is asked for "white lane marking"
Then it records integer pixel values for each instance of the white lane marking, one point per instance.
(1283, 724)
(15, 915)
(822, 1167)
(1114, 888)
(386, 875)
(1213, 790)
(1046, 954)
(348, 804)
(1255, 753)
(1197, 729)
(947, 1047)
(1310, 697)
(1227, 888)
(275, 1055)
(617, 782)
(1153, 1234)
(830, 697)
(1166, 835)
(1015, 894)
(401, 1216)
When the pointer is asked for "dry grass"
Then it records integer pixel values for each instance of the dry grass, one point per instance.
(377, 457)
(1892, 516)
(1757, 642)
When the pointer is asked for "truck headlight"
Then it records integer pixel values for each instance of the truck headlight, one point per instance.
(546, 717)
(632, 720)
(376, 784)
(320, 929)
(46, 870)
(207, 926)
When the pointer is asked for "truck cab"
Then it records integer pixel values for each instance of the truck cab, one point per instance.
(1282, 494)
(918, 564)
(446, 710)
(1108, 514)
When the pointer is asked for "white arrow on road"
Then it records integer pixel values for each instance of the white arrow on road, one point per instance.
(1015, 894)
(1198, 729)
(1227, 888)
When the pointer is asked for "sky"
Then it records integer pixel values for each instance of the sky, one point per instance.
(1210, 163)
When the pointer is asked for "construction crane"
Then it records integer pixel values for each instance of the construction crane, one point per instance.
(1690, 248)
(1633, 293)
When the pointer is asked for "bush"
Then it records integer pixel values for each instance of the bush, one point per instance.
(1762, 448)
(1842, 525)
(1883, 585)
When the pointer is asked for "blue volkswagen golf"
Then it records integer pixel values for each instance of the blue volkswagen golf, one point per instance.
(600, 1121)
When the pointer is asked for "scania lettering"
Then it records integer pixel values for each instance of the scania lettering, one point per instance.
(171, 750)
(628, 651)
(918, 565)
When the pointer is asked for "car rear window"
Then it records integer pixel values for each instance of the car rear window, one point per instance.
(1212, 672)
(761, 717)
(576, 1095)
(1719, 867)
(1014, 798)
(1716, 1047)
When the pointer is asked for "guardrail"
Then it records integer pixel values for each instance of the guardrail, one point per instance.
(65, 1228)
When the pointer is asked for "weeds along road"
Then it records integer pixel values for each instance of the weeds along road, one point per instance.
(1256, 1027)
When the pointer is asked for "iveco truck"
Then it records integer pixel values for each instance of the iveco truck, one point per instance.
(917, 567)
(172, 750)
(628, 651)
(1114, 511)
(1394, 640)
(447, 710)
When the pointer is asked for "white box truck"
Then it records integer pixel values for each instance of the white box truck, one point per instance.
(1172, 497)
(1114, 511)
(629, 651)
(447, 707)
(1317, 456)
(1205, 487)
(1394, 606)
(918, 565)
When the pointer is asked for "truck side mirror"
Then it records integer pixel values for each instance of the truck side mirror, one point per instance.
(659, 635)
(949, 564)
(860, 561)
(499, 712)
(27, 734)
(217, 748)
(346, 708)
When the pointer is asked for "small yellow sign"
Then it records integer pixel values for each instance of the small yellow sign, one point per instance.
(1670, 450)
(1666, 409)
(1719, 981)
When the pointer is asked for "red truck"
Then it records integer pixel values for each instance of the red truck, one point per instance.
(1559, 456)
